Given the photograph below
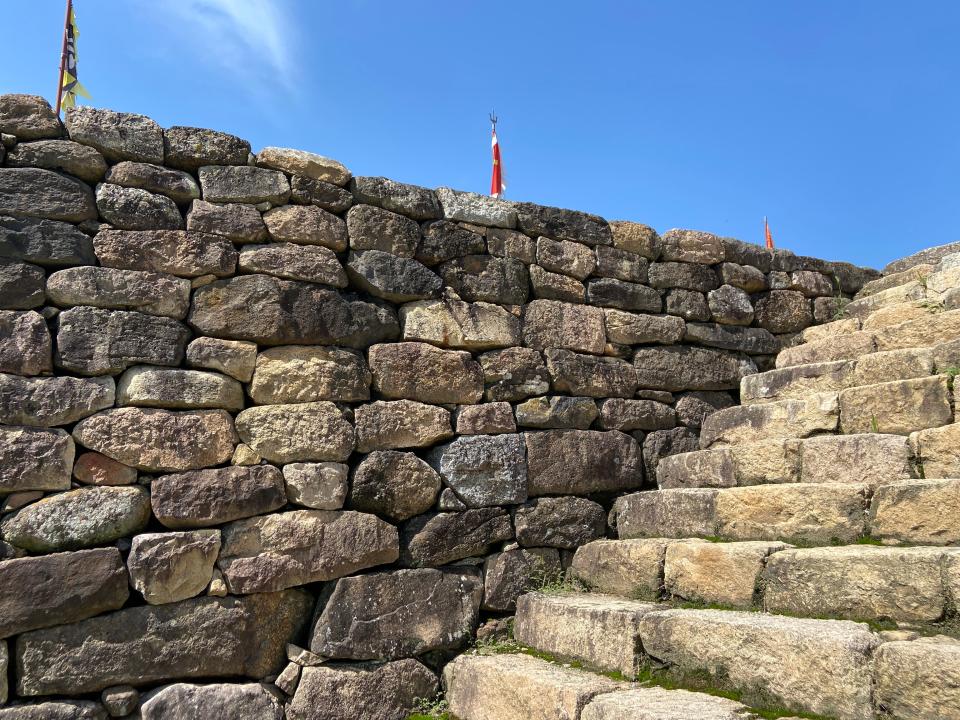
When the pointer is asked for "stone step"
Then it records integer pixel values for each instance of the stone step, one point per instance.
(776, 420)
(893, 280)
(868, 458)
(913, 290)
(831, 349)
(833, 329)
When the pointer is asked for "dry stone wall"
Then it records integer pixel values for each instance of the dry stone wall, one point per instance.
(250, 405)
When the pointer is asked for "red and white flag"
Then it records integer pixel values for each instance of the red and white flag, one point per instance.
(497, 183)
(766, 232)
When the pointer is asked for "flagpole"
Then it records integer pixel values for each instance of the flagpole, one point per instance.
(63, 56)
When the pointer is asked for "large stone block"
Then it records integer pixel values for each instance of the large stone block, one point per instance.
(234, 357)
(569, 258)
(478, 209)
(301, 162)
(28, 117)
(32, 192)
(869, 458)
(398, 485)
(175, 184)
(150, 293)
(813, 514)
(177, 252)
(237, 222)
(174, 388)
(704, 468)
(484, 470)
(560, 224)
(56, 710)
(513, 374)
(778, 420)
(552, 324)
(613, 293)
(279, 312)
(215, 496)
(171, 566)
(754, 341)
(628, 568)
(557, 412)
(392, 278)
(35, 459)
(636, 238)
(393, 615)
(118, 135)
(627, 415)
(819, 666)
(400, 424)
(32, 589)
(485, 278)
(21, 285)
(298, 432)
(559, 522)
(277, 551)
(62, 155)
(159, 440)
(202, 638)
(135, 209)
(25, 345)
(311, 263)
(320, 486)
(306, 225)
(373, 228)
(690, 368)
(444, 240)
(795, 383)
(417, 371)
(240, 701)
(692, 246)
(190, 148)
(78, 519)
(717, 573)
(589, 375)
(633, 329)
(413, 201)
(898, 407)
(925, 330)
(451, 323)
(937, 450)
(307, 373)
(919, 680)
(681, 513)
(580, 462)
(654, 703)
(44, 242)
(924, 512)
(509, 574)
(442, 538)
(243, 184)
(783, 311)
(49, 401)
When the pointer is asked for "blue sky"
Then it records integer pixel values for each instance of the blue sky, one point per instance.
(838, 119)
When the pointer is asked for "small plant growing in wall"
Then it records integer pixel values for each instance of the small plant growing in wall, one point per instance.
(435, 708)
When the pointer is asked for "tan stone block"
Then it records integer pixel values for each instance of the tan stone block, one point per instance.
(938, 450)
(892, 365)
(859, 582)
(869, 458)
(703, 468)
(451, 323)
(919, 680)
(898, 407)
(796, 382)
(655, 703)
(943, 280)
(798, 512)
(686, 512)
(844, 347)
(925, 512)
(771, 461)
(908, 292)
(724, 573)
(926, 331)
(780, 420)
(844, 326)
(894, 315)
(628, 568)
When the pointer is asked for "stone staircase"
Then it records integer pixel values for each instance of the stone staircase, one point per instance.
(804, 562)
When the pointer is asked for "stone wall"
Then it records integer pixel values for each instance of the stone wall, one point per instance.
(252, 405)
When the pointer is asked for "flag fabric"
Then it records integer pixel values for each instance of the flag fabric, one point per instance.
(71, 85)
(497, 182)
(766, 230)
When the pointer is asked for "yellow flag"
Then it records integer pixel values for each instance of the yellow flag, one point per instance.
(71, 86)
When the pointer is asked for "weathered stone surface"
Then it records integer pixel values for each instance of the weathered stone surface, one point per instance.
(159, 440)
(590, 375)
(690, 368)
(937, 450)
(632, 329)
(559, 522)
(186, 254)
(754, 341)
(444, 240)
(294, 262)
(512, 572)
(299, 432)
(519, 687)
(730, 305)
(130, 208)
(615, 263)
(344, 692)
(54, 710)
(301, 162)
(233, 357)
(95, 341)
(277, 551)
(392, 615)
(35, 459)
(557, 412)
(29, 117)
(891, 365)
(270, 311)
(373, 228)
(898, 407)
(413, 201)
(307, 373)
(560, 224)
(480, 209)
(778, 420)
(918, 680)
(581, 461)
(234, 221)
(33, 192)
(569, 258)
(687, 276)
(703, 468)
(392, 278)
(118, 135)
(190, 148)
(654, 703)
(486, 419)
(554, 286)
(395, 484)
(662, 443)
(694, 407)
(923, 512)
(452, 323)
(514, 374)
(869, 458)
(417, 371)
(597, 630)
(93, 468)
(21, 285)
(513, 244)
(665, 514)
(320, 486)
(636, 238)
(171, 566)
(796, 382)
(692, 246)
(441, 538)
(400, 424)
(552, 324)
(306, 225)
(175, 184)
(721, 573)
(627, 415)
(78, 519)
(845, 347)
(44, 242)
(609, 292)
(45, 402)
(857, 582)
(628, 568)
(243, 184)
(783, 311)
(924, 331)
(687, 304)
(202, 637)
(484, 470)
(212, 497)
(829, 660)
(62, 155)
(183, 701)
(745, 277)
(483, 278)
(32, 589)
(147, 292)
(819, 514)
(120, 700)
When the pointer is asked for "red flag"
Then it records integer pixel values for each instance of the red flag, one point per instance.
(766, 230)
(497, 184)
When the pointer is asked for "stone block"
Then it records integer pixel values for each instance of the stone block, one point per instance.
(557, 412)
(581, 462)
(451, 323)
(174, 388)
(444, 240)
(717, 573)
(559, 522)
(299, 432)
(552, 324)
(679, 368)
(308, 373)
(417, 371)
(50, 401)
(238, 222)
(28, 117)
(413, 201)
(442, 538)
(37, 193)
(665, 514)
(898, 407)
(589, 375)
(373, 228)
(628, 568)
(485, 278)
(919, 680)
(289, 261)
(243, 184)
(484, 470)
(510, 573)
(922, 512)
(868, 458)
(243, 701)
(400, 424)
(320, 486)
(171, 566)
(514, 374)
(398, 485)
(779, 420)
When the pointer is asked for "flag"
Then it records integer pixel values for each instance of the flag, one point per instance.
(71, 87)
(766, 231)
(497, 182)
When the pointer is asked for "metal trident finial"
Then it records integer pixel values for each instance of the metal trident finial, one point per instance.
(493, 118)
